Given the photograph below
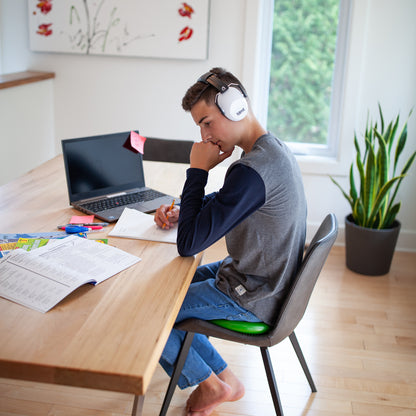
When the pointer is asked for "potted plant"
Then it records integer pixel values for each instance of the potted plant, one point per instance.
(371, 230)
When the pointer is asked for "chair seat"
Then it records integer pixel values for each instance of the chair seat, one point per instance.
(251, 328)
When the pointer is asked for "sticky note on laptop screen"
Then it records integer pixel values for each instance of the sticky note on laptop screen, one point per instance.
(135, 142)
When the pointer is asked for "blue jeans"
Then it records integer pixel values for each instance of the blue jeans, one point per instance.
(203, 301)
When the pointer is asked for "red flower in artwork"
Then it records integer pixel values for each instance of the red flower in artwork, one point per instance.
(44, 29)
(185, 33)
(186, 10)
(45, 6)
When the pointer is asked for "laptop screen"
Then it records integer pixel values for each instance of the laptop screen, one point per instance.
(100, 165)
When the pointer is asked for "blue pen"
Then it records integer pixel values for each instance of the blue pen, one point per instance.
(74, 229)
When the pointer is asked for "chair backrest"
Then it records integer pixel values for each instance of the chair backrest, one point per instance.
(300, 292)
(167, 150)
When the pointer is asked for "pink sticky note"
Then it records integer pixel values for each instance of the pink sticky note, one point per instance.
(82, 219)
(137, 141)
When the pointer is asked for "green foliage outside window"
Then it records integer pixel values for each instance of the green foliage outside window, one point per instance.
(303, 53)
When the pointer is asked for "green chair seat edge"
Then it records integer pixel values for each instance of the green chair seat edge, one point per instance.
(251, 328)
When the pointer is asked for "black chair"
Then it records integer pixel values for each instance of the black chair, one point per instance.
(167, 150)
(262, 335)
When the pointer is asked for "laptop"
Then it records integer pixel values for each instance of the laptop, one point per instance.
(104, 176)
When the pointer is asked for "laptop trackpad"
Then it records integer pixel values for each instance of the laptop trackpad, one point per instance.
(154, 204)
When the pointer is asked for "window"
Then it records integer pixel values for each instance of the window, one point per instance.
(306, 73)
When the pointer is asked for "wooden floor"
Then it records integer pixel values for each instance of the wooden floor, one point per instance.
(358, 336)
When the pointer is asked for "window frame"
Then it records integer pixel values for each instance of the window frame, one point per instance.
(330, 150)
(1, 49)
(255, 71)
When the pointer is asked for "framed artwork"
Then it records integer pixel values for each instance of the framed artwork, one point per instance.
(146, 28)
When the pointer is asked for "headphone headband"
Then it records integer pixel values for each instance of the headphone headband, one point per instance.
(212, 79)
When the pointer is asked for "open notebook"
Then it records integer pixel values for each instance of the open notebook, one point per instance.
(138, 225)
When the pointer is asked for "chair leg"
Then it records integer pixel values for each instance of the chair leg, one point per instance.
(302, 361)
(183, 353)
(272, 380)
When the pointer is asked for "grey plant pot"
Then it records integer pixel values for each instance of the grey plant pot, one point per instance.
(370, 251)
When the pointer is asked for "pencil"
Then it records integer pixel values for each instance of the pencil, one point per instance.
(170, 209)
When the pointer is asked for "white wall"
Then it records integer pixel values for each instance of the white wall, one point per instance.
(26, 128)
(95, 95)
(381, 68)
(390, 77)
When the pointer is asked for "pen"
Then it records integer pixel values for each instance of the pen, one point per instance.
(170, 209)
(80, 228)
(92, 224)
(87, 224)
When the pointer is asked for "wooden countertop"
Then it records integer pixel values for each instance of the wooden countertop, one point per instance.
(20, 78)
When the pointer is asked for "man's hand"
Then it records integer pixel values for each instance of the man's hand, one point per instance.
(166, 217)
(207, 155)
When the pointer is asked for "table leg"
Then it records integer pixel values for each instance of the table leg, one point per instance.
(137, 405)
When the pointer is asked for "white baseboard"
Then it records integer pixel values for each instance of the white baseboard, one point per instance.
(406, 241)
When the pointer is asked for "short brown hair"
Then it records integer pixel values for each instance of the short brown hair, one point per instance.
(201, 91)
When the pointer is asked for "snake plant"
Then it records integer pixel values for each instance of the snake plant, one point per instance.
(372, 200)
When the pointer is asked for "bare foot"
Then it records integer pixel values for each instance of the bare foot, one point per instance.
(237, 387)
(207, 396)
(205, 412)
(214, 391)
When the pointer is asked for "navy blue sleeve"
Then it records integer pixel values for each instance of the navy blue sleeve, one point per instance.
(205, 219)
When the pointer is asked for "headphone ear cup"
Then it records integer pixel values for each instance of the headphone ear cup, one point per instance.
(232, 104)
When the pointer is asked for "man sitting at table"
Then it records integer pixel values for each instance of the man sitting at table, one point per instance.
(261, 211)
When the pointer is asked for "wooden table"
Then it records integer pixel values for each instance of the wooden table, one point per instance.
(108, 336)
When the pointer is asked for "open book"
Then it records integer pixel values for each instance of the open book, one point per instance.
(41, 278)
(141, 226)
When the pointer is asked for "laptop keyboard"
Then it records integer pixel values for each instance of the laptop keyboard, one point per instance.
(118, 201)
